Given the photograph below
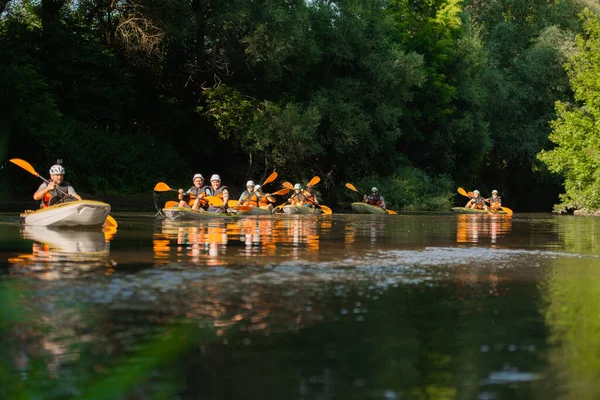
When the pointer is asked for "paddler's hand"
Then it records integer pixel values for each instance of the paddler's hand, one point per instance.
(50, 186)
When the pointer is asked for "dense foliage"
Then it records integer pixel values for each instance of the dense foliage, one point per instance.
(441, 92)
(576, 132)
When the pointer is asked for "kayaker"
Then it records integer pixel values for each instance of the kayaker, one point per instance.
(264, 199)
(495, 201)
(297, 198)
(218, 191)
(310, 197)
(375, 199)
(197, 191)
(477, 202)
(249, 197)
(57, 190)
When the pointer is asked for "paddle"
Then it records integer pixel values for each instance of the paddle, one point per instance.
(170, 204)
(352, 187)
(313, 181)
(288, 185)
(29, 168)
(326, 210)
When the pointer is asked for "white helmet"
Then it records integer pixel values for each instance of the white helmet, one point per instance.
(257, 187)
(197, 176)
(494, 191)
(249, 183)
(374, 189)
(215, 177)
(57, 169)
(476, 191)
(297, 186)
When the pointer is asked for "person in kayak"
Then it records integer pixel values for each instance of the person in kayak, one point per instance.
(197, 191)
(310, 198)
(56, 190)
(375, 199)
(218, 191)
(297, 198)
(264, 199)
(495, 201)
(477, 202)
(249, 196)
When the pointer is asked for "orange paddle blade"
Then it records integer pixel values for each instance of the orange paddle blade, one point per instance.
(162, 187)
(281, 192)
(170, 204)
(288, 185)
(270, 179)
(243, 208)
(507, 210)
(111, 221)
(326, 210)
(463, 192)
(25, 165)
(391, 212)
(233, 203)
(214, 201)
(314, 181)
(351, 187)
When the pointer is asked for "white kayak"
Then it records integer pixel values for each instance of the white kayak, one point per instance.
(292, 209)
(72, 213)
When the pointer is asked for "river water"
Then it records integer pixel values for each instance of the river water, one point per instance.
(438, 306)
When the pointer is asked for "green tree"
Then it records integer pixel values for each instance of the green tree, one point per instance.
(575, 132)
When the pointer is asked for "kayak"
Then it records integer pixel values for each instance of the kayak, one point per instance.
(253, 211)
(189, 214)
(72, 213)
(291, 209)
(364, 208)
(464, 210)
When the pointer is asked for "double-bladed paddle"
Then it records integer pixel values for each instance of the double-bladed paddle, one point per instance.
(29, 168)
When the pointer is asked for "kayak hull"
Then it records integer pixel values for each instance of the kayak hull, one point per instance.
(301, 210)
(364, 208)
(189, 214)
(464, 210)
(254, 211)
(70, 214)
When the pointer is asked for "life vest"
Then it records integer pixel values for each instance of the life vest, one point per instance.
(199, 192)
(219, 192)
(374, 200)
(310, 198)
(54, 196)
(478, 201)
(495, 203)
(250, 199)
(297, 198)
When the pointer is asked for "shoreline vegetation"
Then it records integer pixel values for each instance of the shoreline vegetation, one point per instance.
(413, 99)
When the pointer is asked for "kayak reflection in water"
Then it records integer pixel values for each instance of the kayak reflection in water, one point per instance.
(57, 190)
(375, 199)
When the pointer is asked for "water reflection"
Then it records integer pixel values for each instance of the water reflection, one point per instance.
(481, 228)
(220, 242)
(60, 253)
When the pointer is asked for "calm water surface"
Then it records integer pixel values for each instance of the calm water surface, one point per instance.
(332, 307)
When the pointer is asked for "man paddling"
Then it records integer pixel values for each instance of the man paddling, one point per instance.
(57, 190)
(297, 198)
(375, 199)
(249, 196)
(198, 190)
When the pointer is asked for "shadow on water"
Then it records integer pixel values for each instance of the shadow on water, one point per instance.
(343, 306)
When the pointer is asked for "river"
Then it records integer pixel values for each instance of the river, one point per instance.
(437, 306)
